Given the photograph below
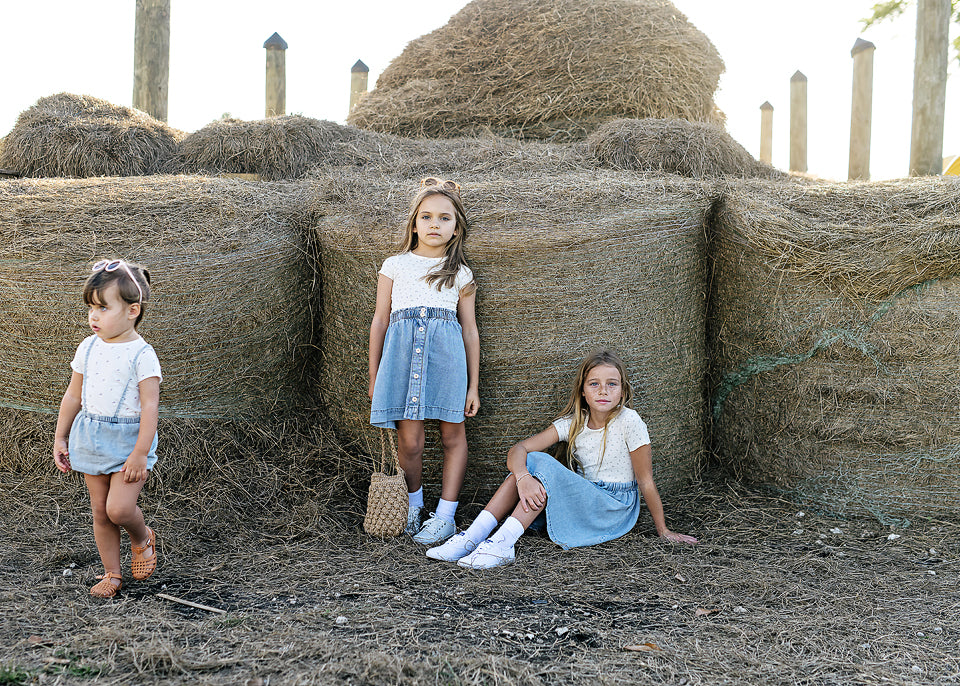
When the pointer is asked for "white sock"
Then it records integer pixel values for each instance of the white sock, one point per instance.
(481, 527)
(416, 498)
(509, 533)
(446, 509)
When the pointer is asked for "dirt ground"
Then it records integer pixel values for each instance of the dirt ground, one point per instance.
(772, 595)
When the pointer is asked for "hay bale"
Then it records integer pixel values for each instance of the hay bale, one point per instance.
(230, 316)
(556, 281)
(835, 335)
(81, 136)
(674, 146)
(555, 69)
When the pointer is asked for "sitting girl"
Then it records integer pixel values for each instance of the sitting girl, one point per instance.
(609, 449)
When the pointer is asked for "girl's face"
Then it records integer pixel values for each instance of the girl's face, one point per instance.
(112, 319)
(602, 388)
(436, 225)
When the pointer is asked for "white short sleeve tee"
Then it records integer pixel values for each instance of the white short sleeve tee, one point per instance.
(410, 288)
(109, 369)
(625, 433)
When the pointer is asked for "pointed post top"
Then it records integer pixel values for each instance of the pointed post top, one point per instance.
(359, 67)
(798, 76)
(275, 42)
(860, 46)
(766, 105)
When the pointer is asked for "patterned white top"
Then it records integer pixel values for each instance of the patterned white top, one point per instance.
(109, 369)
(625, 433)
(410, 289)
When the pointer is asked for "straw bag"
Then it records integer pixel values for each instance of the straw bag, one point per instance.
(387, 500)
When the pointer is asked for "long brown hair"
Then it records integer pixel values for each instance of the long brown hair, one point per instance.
(577, 408)
(446, 275)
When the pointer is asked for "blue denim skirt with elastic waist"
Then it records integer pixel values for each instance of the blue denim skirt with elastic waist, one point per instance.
(423, 369)
(581, 512)
(101, 444)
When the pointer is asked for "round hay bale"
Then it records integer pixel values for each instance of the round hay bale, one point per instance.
(551, 69)
(556, 281)
(835, 335)
(81, 136)
(674, 146)
(230, 316)
(276, 148)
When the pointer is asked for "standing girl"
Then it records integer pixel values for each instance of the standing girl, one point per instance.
(592, 501)
(107, 426)
(425, 349)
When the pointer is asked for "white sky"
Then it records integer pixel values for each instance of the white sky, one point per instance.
(217, 62)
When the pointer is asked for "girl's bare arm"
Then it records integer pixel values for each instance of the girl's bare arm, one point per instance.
(642, 459)
(378, 327)
(467, 314)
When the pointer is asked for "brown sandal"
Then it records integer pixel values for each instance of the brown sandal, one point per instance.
(106, 588)
(143, 566)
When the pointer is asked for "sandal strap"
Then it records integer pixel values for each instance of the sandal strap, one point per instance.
(139, 549)
(109, 575)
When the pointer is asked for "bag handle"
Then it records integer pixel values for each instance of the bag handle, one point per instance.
(393, 450)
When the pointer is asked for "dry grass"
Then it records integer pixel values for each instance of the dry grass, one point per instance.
(81, 136)
(674, 146)
(834, 340)
(549, 70)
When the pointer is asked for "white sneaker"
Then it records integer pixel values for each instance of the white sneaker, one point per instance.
(488, 555)
(435, 530)
(414, 515)
(453, 549)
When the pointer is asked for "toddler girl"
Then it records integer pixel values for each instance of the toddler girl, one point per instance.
(592, 501)
(425, 349)
(107, 426)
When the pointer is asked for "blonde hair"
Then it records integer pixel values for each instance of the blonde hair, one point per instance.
(446, 275)
(577, 408)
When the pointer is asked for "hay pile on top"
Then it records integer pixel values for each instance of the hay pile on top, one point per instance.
(674, 146)
(546, 69)
(565, 264)
(81, 136)
(230, 316)
(835, 334)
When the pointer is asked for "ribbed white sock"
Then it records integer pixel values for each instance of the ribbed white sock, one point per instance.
(481, 527)
(508, 534)
(416, 498)
(446, 509)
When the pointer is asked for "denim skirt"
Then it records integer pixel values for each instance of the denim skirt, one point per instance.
(100, 445)
(423, 368)
(581, 512)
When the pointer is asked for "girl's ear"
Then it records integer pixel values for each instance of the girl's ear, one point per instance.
(134, 311)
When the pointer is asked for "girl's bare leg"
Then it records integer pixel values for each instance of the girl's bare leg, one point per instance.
(505, 499)
(105, 532)
(526, 518)
(454, 439)
(122, 508)
(410, 451)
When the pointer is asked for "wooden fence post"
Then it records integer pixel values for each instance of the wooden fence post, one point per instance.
(798, 122)
(276, 76)
(929, 87)
(766, 132)
(358, 82)
(151, 57)
(861, 110)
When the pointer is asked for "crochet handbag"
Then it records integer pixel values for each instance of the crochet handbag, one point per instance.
(387, 499)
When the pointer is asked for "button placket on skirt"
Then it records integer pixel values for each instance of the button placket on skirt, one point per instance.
(415, 382)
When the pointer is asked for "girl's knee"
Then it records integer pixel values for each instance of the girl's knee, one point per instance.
(121, 512)
(452, 435)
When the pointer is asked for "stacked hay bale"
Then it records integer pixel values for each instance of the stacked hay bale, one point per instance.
(835, 335)
(565, 263)
(81, 136)
(550, 70)
(674, 146)
(231, 316)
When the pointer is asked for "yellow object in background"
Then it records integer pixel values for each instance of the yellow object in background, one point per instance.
(951, 165)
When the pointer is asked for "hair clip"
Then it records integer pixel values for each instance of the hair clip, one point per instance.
(446, 185)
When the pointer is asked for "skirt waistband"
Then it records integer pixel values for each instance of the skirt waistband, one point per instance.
(423, 313)
(617, 486)
(110, 420)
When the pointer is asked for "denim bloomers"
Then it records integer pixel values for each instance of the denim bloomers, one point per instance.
(423, 368)
(100, 444)
(581, 512)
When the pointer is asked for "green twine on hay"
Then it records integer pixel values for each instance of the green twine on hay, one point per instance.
(854, 338)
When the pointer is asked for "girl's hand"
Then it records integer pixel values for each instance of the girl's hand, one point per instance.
(678, 538)
(472, 405)
(135, 469)
(532, 494)
(61, 456)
